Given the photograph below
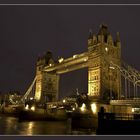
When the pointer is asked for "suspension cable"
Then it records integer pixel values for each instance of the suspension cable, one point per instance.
(29, 90)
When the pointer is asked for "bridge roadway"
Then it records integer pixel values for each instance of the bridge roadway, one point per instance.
(76, 62)
(133, 102)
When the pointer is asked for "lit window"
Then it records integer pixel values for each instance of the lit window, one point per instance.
(106, 49)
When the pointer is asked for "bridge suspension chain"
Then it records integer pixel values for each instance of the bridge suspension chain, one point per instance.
(127, 74)
(131, 69)
(130, 75)
(29, 90)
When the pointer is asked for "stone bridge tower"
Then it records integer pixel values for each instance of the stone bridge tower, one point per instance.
(46, 83)
(104, 80)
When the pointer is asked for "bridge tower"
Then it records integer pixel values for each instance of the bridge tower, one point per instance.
(104, 81)
(46, 83)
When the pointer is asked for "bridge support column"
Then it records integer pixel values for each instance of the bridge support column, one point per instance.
(47, 87)
(50, 87)
(104, 80)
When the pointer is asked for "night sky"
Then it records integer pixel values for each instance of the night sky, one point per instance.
(29, 31)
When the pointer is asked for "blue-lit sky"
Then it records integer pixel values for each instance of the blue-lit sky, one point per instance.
(28, 31)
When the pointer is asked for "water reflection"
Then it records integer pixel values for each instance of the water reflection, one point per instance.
(11, 126)
(7, 124)
(43, 128)
(30, 128)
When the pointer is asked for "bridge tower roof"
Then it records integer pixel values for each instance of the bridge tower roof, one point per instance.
(103, 30)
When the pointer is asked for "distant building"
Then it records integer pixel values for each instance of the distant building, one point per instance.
(12, 97)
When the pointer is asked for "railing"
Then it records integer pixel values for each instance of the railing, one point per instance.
(124, 116)
(125, 101)
(118, 116)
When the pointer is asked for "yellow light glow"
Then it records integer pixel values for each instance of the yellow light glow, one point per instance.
(38, 96)
(85, 59)
(93, 107)
(83, 107)
(106, 49)
(29, 129)
(64, 101)
(27, 107)
(111, 67)
(33, 108)
(61, 60)
(74, 56)
(38, 92)
(133, 110)
(73, 108)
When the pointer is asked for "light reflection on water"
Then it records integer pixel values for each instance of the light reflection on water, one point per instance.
(11, 126)
(30, 128)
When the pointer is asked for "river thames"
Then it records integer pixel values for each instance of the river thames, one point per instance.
(12, 126)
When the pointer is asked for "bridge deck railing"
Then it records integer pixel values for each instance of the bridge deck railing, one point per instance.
(119, 116)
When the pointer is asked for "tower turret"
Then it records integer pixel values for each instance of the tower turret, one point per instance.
(94, 40)
(118, 41)
(90, 38)
(104, 81)
(103, 33)
(110, 40)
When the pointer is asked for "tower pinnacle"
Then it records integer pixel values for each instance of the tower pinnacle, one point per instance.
(90, 34)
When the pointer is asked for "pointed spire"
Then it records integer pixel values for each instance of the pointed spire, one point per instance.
(118, 37)
(103, 30)
(77, 92)
(94, 39)
(110, 39)
(90, 34)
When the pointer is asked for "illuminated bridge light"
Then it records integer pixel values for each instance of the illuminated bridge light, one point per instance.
(85, 59)
(93, 107)
(111, 67)
(64, 101)
(26, 107)
(106, 49)
(83, 107)
(73, 108)
(61, 60)
(74, 56)
(33, 108)
(31, 98)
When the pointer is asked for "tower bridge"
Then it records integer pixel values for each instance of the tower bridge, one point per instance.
(108, 76)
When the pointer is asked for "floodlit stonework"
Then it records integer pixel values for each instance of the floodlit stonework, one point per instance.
(103, 78)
